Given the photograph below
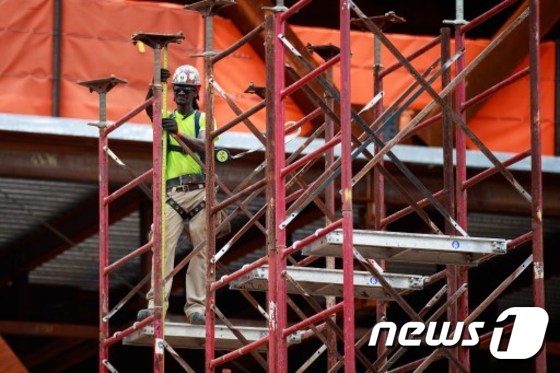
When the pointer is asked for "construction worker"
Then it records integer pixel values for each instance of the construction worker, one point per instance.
(185, 190)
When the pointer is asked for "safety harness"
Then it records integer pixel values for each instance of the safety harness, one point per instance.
(185, 183)
(178, 148)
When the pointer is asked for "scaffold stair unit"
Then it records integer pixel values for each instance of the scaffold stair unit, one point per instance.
(310, 294)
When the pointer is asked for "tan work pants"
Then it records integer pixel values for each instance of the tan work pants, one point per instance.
(195, 283)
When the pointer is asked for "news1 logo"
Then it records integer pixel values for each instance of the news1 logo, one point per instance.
(526, 339)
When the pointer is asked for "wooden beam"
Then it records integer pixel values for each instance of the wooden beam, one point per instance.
(49, 329)
(9, 362)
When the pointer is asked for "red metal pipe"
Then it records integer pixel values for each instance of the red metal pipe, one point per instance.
(493, 170)
(526, 237)
(239, 352)
(275, 192)
(103, 248)
(485, 16)
(224, 280)
(468, 184)
(346, 186)
(157, 211)
(129, 116)
(408, 210)
(294, 9)
(240, 118)
(238, 44)
(378, 187)
(313, 319)
(488, 336)
(119, 263)
(460, 193)
(298, 245)
(476, 99)
(309, 117)
(448, 184)
(536, 170)
(128, 331)
(225, 203)
(132, 184)
(210, 171)
(432, 43)
(308, 157)
(425, 123)
(309, 76)
(307, 261)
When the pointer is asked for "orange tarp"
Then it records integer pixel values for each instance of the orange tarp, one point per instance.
(96, 43)
(362, 62)
(503, 121)
(26, 63)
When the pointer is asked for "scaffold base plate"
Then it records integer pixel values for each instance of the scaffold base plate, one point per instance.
(411, 247)
(183, 335)
(321, 281)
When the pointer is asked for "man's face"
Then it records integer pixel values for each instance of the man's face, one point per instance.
(184, 93)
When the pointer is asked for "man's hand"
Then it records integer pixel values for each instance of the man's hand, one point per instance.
(170, 125)
(165, 74)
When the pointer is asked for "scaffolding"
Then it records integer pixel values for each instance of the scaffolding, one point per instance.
(352, 151)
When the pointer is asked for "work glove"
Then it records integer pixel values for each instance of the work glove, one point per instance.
(169, 125)
(165, 74)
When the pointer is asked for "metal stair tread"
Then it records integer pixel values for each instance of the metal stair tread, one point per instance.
(321, 281)
(411, 247)
(184, 335)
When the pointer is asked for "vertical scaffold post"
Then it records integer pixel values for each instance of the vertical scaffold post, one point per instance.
(210, 192)
(378, 184)
(209, 8)
(448, 177)
(536, 170)
(460, 275)
(327, 52)
(346, 184)
(157, 42)
(275, 191)
(102, 87)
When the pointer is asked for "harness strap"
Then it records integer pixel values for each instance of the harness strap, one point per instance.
(178, 148)
(186, 215)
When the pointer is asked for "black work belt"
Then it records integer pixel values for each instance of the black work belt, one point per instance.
(186, 187)
(188, 179)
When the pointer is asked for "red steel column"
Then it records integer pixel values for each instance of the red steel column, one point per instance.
(276, 197)
(379, 186)
(448, 177)
(536, 171)
(460, 192)
(210, 194)
(330, 204)
(346, 184)
(157, 273)
(103, 249)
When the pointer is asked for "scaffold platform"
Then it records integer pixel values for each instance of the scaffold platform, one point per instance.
(321, 281)
(411, 247)
(183, 335)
